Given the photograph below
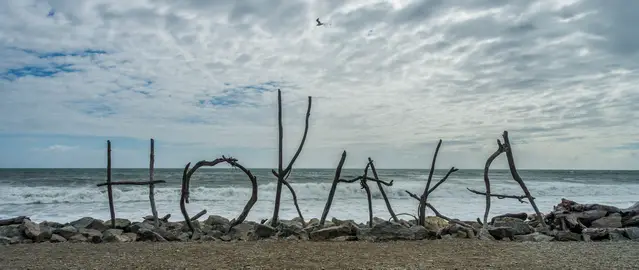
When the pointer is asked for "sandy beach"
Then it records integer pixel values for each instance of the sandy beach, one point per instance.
(427, 254)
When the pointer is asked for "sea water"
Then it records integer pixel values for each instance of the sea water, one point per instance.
(63, 195)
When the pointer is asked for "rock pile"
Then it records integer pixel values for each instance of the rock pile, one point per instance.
(569, 221)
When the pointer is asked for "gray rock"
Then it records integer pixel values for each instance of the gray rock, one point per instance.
(241, 231)
(484, 234)
(33, 231)
(218, 223)
(5, 240)
(93, 235)
(215, 233)
(631, 222)
(286, 229)
(112, 235)
(345, 238)
(226, 238)
(137, 226)
(567, 236)
(632, 233)
(387, 231)
(611, 221)
(263, 230)
(420, 232)
(67, 231)
(168, 235)
(131, 236)
(330, 232)
(89, 223)
(52, 224)
(534, 237)
(149, 235)
(184, 237)
(312, 222)
(604, 234)
(11, 231)
(120, 223)
(77, 238)
(518, 226)
(587, 217)
(208, 238)
(500, 233)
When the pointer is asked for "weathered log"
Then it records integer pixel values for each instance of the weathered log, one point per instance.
(381, 190)
(186, 178)
(489, 161)
(331, 193)
(108, 184)
(517, 178)
(198, 215)
(154, 211)
(282, 173)
(358, 178)
(14, 220)
(522, 216)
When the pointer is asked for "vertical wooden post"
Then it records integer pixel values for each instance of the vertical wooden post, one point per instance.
(152, 186)
(109, 187)
(280, 166)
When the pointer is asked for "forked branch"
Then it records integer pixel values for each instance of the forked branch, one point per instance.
(381, 190)
(293, 194)
(424, 198)
(282, 173)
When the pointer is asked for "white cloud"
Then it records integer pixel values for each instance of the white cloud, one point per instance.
(58, 148)
(392, 75)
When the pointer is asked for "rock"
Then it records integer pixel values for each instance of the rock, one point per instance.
(286, 229)
(484, 234)
(131, 236)
(500, 233)
(184, 237)
(218, 223)
(112, 235)
(517, 225)
(613, 234)
(89, 223)
(77, 238)
(137, 226)
(215, 233)
(587, 217)
(226, 238)
(387, 231)
(433, 223)
(120, 223)
(632, 233)
(611, 221)
(241, 231)
(207, 238)
(534, 237)
(330, 232)
(5, 240)
(312, 222)
(52, 224)
(461, 234)
(67, 231)
(34, 232)
(95, 236)
(567, 236)
(263, 230)
(420, 232)
(521, 216)
(168, 235)
(631, 222)
(11, 231)
(149, 235)
(345, 238)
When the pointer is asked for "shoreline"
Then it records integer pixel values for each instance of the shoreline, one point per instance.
(285, 254)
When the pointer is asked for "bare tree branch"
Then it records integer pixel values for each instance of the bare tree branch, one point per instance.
(437, 214)
(154, 211)
(381, 190)
(290, 188)
(424, 198)
(500, 196)
(331, 194)
(359, 178)
(368, 195)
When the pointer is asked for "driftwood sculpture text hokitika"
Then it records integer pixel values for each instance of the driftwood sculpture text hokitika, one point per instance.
(283, 172)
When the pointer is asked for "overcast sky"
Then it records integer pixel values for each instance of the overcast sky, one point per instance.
(388, 80)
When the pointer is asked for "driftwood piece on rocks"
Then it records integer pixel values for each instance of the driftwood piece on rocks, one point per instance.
(381, 190)
(522, 216)
(198, 215)
(520, 198)
(282, 173)
(517, 178)
(165, 218)
(12, 221)
(186, 182)
(109, 184)
(438, 214)
(331, 193)
(154, 211)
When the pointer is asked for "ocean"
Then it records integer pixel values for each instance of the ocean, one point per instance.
(63, 195)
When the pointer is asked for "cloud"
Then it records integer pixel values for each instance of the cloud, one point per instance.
(386, 77)
(58, 148)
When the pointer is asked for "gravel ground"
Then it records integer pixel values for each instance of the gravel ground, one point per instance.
(430, 254)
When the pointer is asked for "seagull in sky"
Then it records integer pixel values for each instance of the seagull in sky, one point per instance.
(318, 22)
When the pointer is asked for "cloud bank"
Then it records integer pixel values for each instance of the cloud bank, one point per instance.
(388, 79)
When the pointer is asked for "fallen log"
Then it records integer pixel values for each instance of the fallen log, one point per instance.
(13, 221)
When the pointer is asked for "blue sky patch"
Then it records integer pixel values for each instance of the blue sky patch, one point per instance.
(50, 70)
(239, 94)
(54, 54)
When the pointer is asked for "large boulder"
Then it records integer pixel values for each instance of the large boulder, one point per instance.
(137, 226)
(518, 226)
(631, 221)
(534, 237)
(243, 231)
(218, 223)
(330, 232)
(34, 232)
(500, 233)
(611, 221)
(599, 234)
(92, 235)
(288, 228)
(434, 223)
(263, 230)
(567, 236)
(89, 223)
(67, 231)
(11, 231)
(120, 223)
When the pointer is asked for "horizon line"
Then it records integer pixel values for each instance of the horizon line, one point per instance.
(268, 168)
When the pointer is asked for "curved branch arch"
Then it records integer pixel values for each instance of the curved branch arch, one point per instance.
(186, 183)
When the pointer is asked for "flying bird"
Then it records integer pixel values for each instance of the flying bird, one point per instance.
(318, 22)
